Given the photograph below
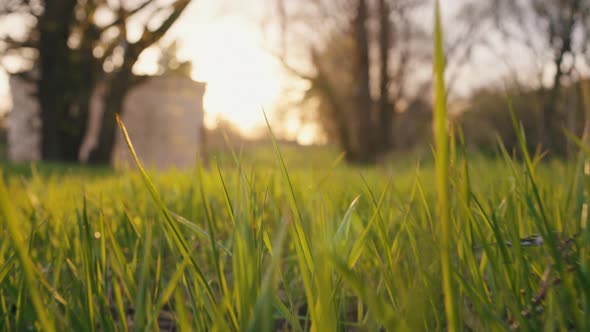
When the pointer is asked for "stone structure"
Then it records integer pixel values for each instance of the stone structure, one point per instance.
(163, 114)
(164, 118)
(24, 124)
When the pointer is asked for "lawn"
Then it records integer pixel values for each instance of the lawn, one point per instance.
(317, 245)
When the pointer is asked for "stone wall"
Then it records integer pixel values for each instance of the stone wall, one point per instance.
(164, 117)
(24, 124)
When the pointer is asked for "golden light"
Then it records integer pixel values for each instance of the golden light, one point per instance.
(228, 53)
(242, 78)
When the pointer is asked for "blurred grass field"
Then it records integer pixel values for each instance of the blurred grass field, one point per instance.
(324, 246)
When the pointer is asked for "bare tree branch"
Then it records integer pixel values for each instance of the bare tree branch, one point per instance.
(288, 67)
(124, 14)
(148, 37)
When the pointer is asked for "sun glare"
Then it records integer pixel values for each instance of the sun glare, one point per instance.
(242, 79)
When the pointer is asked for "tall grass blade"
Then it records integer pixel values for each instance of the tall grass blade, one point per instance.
(139, 322)
(344, 228)
(9, 219)
(301, 235)
(441, 138)
(170, 225)
(9, 263)
(89, 267)
(262, 318)
(198, 230)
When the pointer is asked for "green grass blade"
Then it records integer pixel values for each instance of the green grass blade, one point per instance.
(9, 219)
(344, 228)
(89, 266)
(262, 318)
(9, 263)
(171, 227)
(301, 235)
(441, 138)
(139, 321)
(198, 230)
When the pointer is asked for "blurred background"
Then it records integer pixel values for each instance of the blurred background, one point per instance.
(188, 77)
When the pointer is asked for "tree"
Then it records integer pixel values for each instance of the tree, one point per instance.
(556, 32)
(361, 116)
(561, 18)
(385, 107)
(76, 49)
(122, 79)
(55, 96)
(336, 38)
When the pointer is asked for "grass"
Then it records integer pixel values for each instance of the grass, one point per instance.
(292, 239)
(443, 160)
(262, 247)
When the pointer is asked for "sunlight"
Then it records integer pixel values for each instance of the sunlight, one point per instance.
(242, 79)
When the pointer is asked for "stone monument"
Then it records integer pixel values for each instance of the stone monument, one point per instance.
(163, 114)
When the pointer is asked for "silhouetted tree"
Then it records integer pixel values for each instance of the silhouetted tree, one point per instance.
(338, 36)
(554, 30)
(561, 19)
(385, 107)
(361, 116)
(74, 51)
(122, 79)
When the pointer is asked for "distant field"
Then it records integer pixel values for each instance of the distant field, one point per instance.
(322, 246)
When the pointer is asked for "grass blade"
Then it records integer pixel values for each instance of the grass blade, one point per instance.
(171, 227)
(9, 219)
(441, 138)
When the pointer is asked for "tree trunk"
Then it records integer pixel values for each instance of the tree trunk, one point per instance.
(70, 137)
(66, 81)
(385, 108)
(123, 80)
(114, 98)
(75, 124)
(362, 133)
(335, 104)
(553, 121)
(551, 139)
(52, 87)
(75, 120)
